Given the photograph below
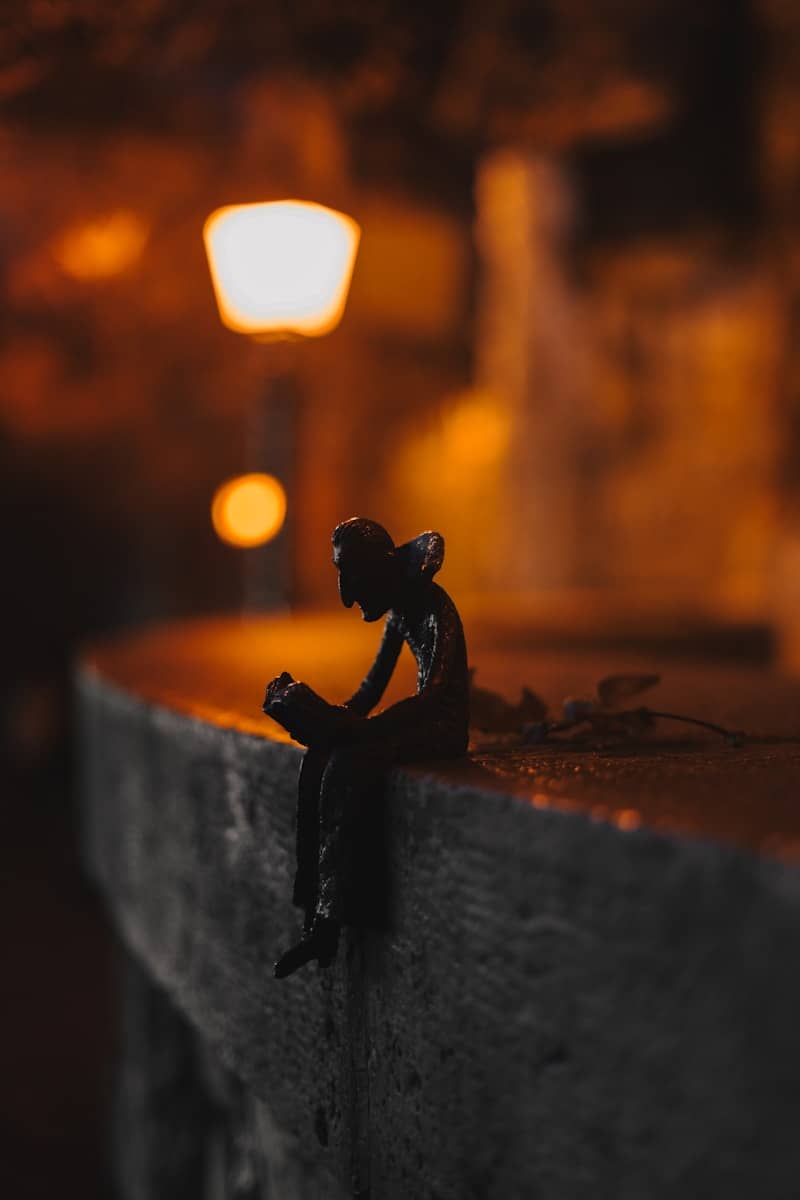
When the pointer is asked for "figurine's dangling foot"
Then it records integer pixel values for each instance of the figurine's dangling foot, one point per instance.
(321, 944)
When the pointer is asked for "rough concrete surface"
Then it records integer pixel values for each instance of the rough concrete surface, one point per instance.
(562, 1007)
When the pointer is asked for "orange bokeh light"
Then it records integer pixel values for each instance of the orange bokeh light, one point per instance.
(249, 510)
(477, 430)
(103, 247)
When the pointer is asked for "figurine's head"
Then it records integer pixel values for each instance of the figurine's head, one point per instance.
(373, 572)
(366, 559)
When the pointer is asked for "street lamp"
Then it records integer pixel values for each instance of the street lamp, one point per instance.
(281, 271)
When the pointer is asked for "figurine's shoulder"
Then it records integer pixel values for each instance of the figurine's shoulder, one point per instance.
(433, 606)
(442, 602)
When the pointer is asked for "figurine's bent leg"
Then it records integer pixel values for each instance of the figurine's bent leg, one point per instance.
(353, 774)
(349, 775)
(306, 880)
(336, 788)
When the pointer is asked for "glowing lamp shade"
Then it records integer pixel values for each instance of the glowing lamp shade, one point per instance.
(282, 268)
(248, 510)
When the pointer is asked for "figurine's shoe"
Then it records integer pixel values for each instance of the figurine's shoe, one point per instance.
(321, 944)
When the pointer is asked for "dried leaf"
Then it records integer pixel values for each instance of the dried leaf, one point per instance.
(534, 735)
(578, 710)
(633, 722)
(638, 721)
(614, 688)
(492, 713)
(530, 708)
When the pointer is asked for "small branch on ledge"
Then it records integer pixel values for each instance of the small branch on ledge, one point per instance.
(630, 723)
(734, 737)
(596, 716)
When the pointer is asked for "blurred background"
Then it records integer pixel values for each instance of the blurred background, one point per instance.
(571, 344)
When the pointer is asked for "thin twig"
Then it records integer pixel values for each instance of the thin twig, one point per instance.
(733, 736)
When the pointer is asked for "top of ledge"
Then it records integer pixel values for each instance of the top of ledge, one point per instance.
(216, 669)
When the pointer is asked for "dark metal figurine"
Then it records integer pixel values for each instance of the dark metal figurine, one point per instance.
(349, 751)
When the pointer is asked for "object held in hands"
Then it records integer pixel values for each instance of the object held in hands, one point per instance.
(304, 714)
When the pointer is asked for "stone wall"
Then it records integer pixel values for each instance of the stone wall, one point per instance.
(586, 985)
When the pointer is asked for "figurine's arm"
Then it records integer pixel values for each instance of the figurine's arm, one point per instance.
(427, 704)
(374, 684)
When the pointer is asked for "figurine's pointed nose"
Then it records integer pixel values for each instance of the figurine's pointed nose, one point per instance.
(344, 593)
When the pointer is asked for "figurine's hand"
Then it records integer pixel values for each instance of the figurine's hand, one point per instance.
(348, 724)
(276, 689)
(277, 699)
(309, 719)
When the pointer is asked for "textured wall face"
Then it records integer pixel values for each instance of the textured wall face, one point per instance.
(565, 1001)
(186, 1127)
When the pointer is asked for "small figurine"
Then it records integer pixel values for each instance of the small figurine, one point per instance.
(348, 751)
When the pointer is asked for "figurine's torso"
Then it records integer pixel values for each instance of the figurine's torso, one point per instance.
(430, 625)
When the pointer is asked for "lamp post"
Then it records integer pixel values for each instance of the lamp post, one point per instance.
(281, 271)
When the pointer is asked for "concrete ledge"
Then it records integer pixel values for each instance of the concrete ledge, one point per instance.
(564, 1006)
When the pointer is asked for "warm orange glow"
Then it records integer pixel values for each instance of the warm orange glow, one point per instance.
(477, 430)
(628, 819)
(281, 268)
(249, 510)
(103, 247)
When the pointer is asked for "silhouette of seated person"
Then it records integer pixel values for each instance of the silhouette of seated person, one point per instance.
(349, 752)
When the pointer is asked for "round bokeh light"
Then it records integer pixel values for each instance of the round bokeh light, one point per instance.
(249, 510)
